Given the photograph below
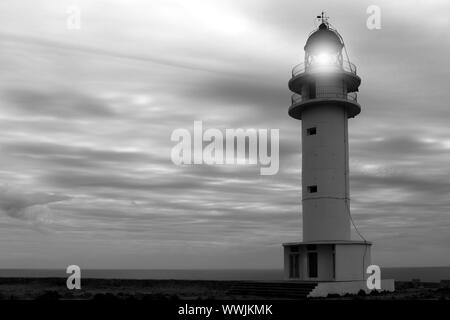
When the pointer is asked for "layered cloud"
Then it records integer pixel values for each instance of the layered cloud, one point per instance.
(86, 118)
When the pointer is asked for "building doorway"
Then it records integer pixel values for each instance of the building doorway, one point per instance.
(312, 264)
(294, 266)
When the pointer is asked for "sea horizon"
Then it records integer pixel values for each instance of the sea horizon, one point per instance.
(425, 274)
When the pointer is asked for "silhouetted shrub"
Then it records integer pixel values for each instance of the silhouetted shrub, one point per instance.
(130, 298)
(347, 295)
(49, 295)
(443, 290)
(155, 296)
(105, 297)
(361, 293)
(173, 297)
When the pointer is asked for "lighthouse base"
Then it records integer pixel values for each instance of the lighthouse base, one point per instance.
(326, 261)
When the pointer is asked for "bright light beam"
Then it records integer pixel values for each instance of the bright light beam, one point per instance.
(324, 59)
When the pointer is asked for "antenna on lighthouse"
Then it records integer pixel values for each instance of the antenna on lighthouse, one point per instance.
(323, 18)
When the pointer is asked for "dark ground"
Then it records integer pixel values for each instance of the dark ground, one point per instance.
(170, 290)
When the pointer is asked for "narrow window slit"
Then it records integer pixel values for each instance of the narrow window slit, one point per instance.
(311, 131)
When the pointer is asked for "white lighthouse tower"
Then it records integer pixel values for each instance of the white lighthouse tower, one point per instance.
(324, 98)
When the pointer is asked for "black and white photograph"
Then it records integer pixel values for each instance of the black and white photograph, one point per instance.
(224, 159)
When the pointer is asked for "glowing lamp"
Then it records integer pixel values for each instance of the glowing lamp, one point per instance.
(324, 59)
(323, 50)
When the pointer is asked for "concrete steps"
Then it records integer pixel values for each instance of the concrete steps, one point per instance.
(279, 290)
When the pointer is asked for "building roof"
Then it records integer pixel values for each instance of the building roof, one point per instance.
(343, 242)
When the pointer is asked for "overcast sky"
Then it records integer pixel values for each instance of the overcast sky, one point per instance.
(86, 117)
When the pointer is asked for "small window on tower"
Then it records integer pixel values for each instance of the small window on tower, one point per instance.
(311, 131)
(312, 189)
(312, 90)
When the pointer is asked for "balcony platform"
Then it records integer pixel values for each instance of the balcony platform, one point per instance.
(353, 108)
(302, 75)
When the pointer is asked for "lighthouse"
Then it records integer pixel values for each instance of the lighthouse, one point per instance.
(324, 100)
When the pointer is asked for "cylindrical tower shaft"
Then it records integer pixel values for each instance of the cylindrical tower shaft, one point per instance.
(324, 99)
(325, 185)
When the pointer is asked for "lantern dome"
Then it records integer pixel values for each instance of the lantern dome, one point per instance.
(324, 39)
